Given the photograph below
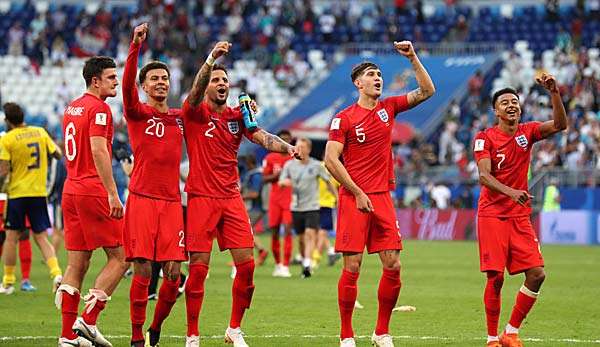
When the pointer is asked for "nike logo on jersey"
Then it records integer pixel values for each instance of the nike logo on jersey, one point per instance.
(156, 118)
(214, 118)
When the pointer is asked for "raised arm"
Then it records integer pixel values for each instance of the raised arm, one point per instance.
(487, 179)
(202, 78)
(274, 143)
(333, 150)
(131, 98)
(102, 161)
(559, 115)
(425, 87)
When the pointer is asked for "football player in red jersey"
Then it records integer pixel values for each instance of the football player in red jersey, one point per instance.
(213, 133)
(91, 206)
(506, 236)
(279, 212)
(362, 135)
(154, 215)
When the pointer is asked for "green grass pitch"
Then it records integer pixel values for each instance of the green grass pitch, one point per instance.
(440, 278)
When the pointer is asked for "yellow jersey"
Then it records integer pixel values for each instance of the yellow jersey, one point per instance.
(326, 198)
(26, 149)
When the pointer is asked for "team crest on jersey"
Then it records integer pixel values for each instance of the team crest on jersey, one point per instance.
(522, 141)
(233, 127)
(383, 115)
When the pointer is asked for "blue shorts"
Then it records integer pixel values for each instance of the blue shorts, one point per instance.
(35, 208)
(326, 218)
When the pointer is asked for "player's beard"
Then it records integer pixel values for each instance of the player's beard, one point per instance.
(219, 102)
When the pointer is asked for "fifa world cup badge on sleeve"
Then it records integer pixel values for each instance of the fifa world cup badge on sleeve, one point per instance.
(479, 143)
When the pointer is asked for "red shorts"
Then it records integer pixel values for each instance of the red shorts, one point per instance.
(378, 230)
(88, 225)
(225, 219)
(153, 229)
(508, 243)
(279, 213)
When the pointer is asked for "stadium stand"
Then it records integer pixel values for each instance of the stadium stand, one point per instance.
(280, 67)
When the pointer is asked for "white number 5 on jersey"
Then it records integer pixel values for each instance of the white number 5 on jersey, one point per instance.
(360, 134)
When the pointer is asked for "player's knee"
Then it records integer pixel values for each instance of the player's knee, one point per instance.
(537, 278)
(496, 279)
(171, 273)
(79, 269)
(352, 266)
(393, 266)
(203, 258)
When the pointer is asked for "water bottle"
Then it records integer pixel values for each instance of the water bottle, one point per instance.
(247, 112)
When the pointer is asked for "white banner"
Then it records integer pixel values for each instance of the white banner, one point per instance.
(566, 227)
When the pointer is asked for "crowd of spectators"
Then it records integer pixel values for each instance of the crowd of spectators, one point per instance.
(277, 34)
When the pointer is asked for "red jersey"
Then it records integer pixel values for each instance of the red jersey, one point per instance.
(367, 139)
(212, 141)
(85, 117)
(156, 140)
(510, 156)
(274, 162)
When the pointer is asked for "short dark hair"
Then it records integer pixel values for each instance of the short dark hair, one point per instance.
(220, 67)
(14, 113)
(501, 92)
(358, 69)
(284, 132)
(95, 66)
(153, 65)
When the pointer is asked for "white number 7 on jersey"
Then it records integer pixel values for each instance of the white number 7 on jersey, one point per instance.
(502, 156)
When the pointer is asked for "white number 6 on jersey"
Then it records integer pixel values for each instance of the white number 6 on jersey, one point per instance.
(360, 134)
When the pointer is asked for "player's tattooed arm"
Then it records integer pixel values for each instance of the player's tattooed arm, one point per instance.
(487, 179)
(274, 143)
(202, 78)
(559, 115)
(199, 86)
(426, 88)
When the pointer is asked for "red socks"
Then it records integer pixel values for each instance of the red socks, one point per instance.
(25, 257)
(138, 299)
(525, 300)
(166, 299)
(276, 246)
(69, 308)
(347, 292)
(389, 290)
(287, 250)
(492, 301)
(194, 294)
(95, 302)
(242, 290)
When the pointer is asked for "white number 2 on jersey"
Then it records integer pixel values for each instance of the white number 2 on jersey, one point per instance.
(208, 133)
(360, 134)
(502, 156)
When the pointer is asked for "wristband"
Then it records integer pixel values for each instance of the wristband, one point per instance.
(210, 61)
